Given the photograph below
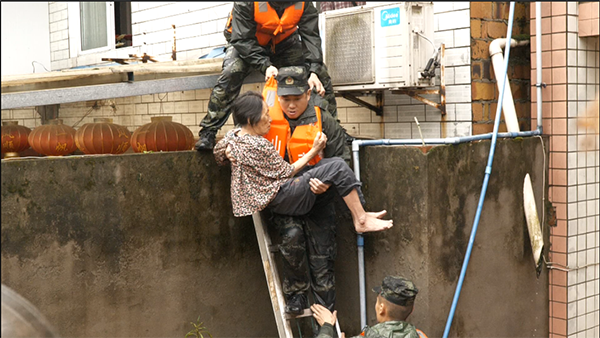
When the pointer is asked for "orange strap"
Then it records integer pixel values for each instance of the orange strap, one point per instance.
(228, 24)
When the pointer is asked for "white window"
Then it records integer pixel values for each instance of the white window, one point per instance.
(90, 26)
(93, 25)
(98, 26)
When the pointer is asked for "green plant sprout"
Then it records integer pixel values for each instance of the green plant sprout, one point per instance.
(198, 330)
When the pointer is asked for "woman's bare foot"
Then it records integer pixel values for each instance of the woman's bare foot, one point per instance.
(370, 223)
(379, 214)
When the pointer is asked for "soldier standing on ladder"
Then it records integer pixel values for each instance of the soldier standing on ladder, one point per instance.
(315, 232)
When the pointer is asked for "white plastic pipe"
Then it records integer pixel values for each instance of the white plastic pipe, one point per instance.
(508, 105)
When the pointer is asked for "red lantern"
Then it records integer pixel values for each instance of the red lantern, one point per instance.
(53, 139)
(162, 134)
(102, 137)
(14, 138)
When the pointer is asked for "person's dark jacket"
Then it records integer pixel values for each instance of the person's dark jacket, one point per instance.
(243, 35)
(336, 138)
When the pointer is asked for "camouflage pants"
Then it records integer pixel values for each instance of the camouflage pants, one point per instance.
(235, 70)
(313, 234)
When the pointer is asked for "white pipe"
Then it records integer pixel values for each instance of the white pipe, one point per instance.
(360, 245)
(538, 58)
(362, 280)
(508, 105)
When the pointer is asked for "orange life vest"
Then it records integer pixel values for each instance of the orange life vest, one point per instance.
(270, 27)
(296, 144)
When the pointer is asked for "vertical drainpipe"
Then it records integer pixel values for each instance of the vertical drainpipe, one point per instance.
(360, 242)
(508, 104)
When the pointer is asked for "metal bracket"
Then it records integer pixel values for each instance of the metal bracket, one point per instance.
(414, 93)
(378, 108)
(48, 112)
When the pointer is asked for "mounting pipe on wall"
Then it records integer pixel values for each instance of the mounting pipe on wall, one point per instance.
(510, 114)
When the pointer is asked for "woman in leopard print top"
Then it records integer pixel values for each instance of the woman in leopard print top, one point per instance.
(260, 177)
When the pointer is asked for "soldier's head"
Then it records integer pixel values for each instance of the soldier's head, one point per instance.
(395, 299)
(292, 89)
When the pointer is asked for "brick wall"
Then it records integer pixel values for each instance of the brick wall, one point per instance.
(59, 35)
(489, 21)
(187, 107)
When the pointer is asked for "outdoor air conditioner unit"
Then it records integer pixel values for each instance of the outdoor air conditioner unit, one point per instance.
(375, 46)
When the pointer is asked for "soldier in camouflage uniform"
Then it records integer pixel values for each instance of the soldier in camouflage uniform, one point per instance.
(314, 233)
(395, 302)
(244, 53)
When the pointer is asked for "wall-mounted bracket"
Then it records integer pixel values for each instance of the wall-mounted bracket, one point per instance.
(377, 108)
(48, 112)
(414, 93)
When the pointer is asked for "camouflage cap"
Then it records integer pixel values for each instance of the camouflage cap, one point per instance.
(292, 80)
(397, 290)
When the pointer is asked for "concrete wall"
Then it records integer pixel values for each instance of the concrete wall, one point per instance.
(142, 244)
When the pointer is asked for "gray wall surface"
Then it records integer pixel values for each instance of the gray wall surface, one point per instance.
(140, 245)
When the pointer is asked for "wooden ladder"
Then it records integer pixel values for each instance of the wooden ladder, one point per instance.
(275, 292)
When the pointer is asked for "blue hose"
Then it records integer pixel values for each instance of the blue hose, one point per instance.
(488, 171)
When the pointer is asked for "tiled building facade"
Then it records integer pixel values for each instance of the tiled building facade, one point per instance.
(570, 69)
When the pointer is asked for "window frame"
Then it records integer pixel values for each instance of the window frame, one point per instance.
(74, 10)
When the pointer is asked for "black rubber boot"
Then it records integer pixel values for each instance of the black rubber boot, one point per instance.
(296, 304)
(207, 140)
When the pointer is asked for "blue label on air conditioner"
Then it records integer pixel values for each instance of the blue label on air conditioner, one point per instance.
(390, 17)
